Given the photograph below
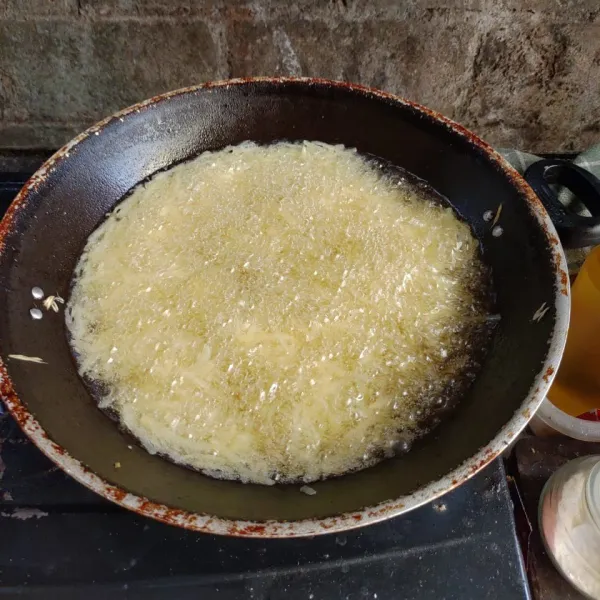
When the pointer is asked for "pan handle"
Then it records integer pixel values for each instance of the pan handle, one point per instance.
(575, 231)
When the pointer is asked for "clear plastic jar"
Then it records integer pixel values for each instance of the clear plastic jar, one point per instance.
(569, 517)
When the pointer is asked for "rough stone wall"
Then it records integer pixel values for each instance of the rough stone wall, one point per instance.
(522, 73)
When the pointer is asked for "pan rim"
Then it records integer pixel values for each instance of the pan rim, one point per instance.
(346, 521)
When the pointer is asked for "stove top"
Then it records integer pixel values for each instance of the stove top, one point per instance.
(59, 540)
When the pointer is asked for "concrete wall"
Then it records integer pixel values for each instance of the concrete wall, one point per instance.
(523, 73)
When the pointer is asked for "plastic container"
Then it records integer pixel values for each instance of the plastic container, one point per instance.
(569, 519)
(550, 420)
(576, 387)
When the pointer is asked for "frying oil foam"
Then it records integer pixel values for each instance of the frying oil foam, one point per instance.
(276, 313)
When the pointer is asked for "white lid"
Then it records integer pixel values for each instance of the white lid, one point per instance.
(592, 492)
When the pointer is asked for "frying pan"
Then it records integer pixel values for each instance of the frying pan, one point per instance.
(44, 231)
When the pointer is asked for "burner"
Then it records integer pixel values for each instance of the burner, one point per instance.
(61, 540)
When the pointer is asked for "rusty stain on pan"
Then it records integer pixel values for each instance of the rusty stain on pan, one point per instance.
(548, 374)
(279, 529)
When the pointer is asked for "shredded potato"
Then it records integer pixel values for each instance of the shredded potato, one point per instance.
(279, 313)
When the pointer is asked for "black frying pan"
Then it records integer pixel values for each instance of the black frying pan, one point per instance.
(46, 228)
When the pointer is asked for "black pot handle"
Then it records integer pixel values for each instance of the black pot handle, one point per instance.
(575, 231)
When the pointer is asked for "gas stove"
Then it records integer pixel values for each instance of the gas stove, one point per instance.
(59, 540)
